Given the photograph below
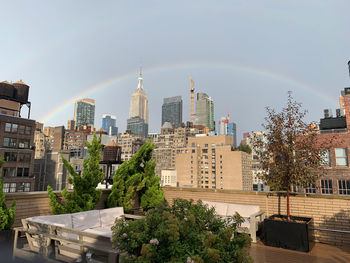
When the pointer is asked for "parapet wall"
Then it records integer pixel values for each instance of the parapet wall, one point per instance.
(330, 213)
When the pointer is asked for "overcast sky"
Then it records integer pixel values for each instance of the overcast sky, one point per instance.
(246, 55)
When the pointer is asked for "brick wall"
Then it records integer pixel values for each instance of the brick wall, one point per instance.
(328, 212)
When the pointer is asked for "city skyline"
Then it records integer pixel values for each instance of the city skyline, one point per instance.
(303, 47)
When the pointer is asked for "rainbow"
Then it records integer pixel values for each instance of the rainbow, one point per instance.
(188, 65)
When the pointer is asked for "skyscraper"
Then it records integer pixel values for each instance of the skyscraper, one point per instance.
(84, 112)
(205, 111)
(137, 126)
(139, 102)
(172, 111)
(109, 124)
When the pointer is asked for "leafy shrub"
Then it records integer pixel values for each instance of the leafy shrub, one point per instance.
(135, 182)
(84, 195)
(7, 215)
(186, 232)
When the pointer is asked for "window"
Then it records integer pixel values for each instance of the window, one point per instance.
(19, 172)
(204, 150)
(14, 128)
(206, 145)
(22, 143)
(9, 172)
(325, 158)
(12, 187)
(310, 189)
(24, 157)
(28, 130)
(21, 129)
(10, 142)
(6, 187)
(10, 157)
(341, 157)
(326, 187)
(8, 127)
(344, 187)
(213, 150)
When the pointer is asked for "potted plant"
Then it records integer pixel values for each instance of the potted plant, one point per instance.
(291, 156)
(185, 232)
(7, 216)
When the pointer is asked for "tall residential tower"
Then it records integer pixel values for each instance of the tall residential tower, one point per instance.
(205, 111)
(84, 112)
(172, 111)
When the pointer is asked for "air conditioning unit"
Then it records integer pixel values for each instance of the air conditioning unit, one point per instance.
(328, 113)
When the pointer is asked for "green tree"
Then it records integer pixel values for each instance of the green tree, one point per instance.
(290, 154)
(244, 148)
(136, 181)
(84, 195)
(7, 215)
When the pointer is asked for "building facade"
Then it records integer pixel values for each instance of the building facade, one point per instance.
(137, 126)
(205, 111)
(211, 162)
(84, 112)
(172, 111)
(109, 124)
(139, 103)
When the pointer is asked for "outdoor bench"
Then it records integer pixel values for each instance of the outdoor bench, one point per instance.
(74, 235)
(251, 214)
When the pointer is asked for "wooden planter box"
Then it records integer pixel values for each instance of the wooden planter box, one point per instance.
(292, 234)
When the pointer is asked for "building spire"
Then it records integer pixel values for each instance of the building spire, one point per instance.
(140, 85)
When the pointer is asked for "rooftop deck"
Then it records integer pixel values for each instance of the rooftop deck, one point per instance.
(320, 253)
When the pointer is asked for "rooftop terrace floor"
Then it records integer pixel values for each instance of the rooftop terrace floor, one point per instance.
(320, 253)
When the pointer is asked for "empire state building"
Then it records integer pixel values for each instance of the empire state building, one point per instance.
(138, 113)
(139, 102)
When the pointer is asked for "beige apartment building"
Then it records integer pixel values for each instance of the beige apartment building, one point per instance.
(211, 162)
(168, 142)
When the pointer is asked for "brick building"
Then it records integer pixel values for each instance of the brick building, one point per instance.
(336, 161)
(16, 138)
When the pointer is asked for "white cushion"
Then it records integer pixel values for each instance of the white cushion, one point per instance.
(64, 220)
(101, 231)
(220, 208)
(242, 210)
(85, 220)
(109, 215)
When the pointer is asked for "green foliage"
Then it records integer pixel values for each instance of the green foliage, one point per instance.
(84, 195)
(185, 232)
(290, 152)
(136, 181)
(7, 215)
(244, 148)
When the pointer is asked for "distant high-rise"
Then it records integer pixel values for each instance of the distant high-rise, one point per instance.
(137, 126)
(205, 111)
(172, 111)
(228, 128)
(84, 112)
(139, 102)
(109, 124)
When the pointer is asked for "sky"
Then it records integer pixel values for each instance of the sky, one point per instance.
(246, 55)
